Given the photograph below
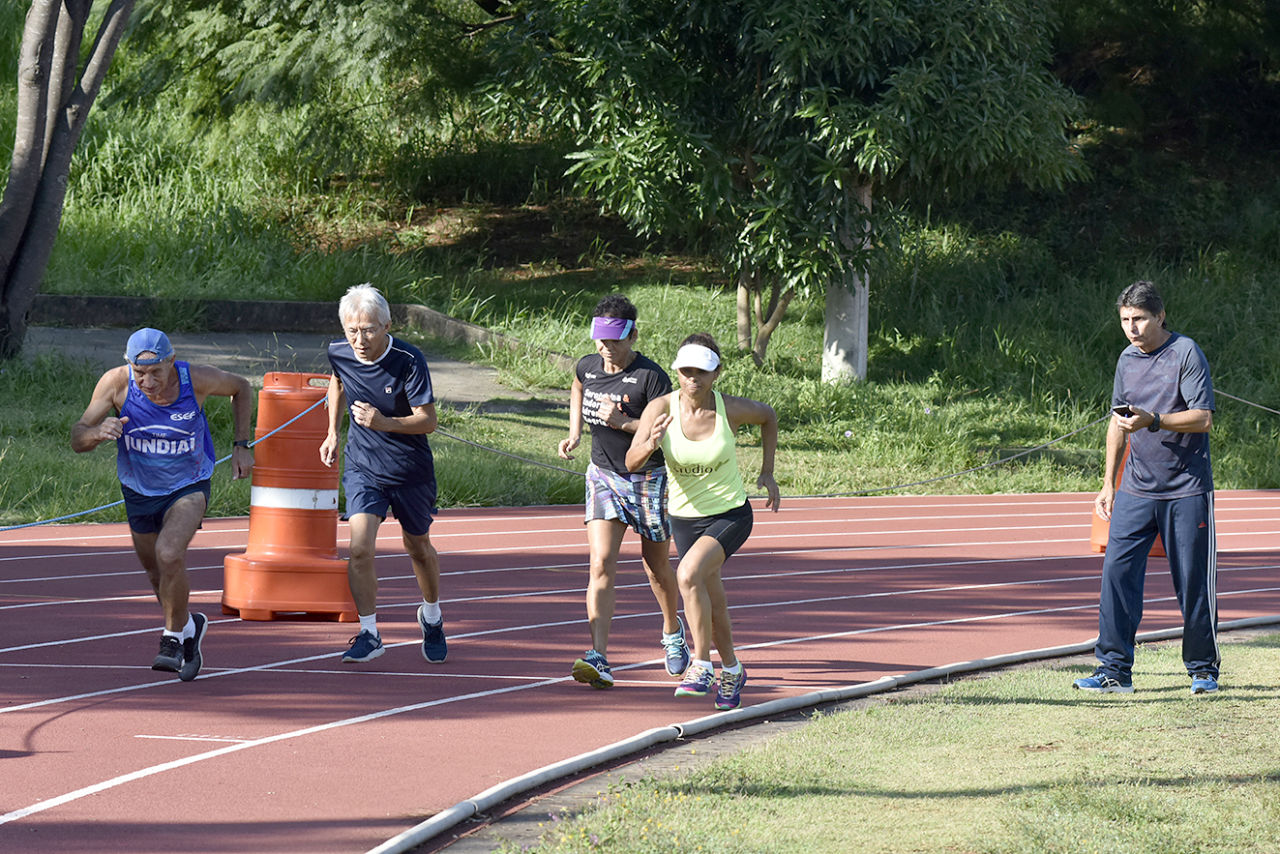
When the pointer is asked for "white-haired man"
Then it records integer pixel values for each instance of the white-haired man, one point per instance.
(152, 407)
(385, 385)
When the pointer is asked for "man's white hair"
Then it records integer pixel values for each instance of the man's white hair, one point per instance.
(364, 300)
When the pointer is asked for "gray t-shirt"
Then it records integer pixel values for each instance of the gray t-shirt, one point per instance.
(1173, 378)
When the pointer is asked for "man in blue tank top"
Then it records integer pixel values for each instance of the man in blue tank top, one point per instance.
(1162, 408)
(152, 407)
(384, 385)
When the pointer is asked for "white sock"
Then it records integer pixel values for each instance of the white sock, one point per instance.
(431, 612)
(369, 624)
(706, 664)
(735, 670)
(189, 630)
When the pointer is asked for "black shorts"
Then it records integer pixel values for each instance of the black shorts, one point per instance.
(146, 512)
(730, 529)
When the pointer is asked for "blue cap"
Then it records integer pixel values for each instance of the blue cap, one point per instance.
(148, 340)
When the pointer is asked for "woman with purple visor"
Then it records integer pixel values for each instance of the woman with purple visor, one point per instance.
(611, 387)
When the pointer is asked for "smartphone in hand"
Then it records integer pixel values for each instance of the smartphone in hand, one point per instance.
(1123, 411)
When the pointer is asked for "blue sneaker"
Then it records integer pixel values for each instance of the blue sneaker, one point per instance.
(1203, 683)
(676, 651)
(1102, 683)
(191, 659)
(434, 646)
(365, 646)
(697, 682)
(592, 669)
(729, 694)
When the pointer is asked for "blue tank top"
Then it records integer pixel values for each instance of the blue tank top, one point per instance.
(163, 448)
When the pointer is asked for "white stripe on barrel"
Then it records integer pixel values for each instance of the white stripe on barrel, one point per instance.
(293, 499)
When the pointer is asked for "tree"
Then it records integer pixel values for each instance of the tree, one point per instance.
(55, 91)
(765, 128)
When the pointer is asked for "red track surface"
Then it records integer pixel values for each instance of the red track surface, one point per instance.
(278, 747)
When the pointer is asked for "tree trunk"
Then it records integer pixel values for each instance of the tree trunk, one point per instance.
(844, 339)
(744, 309)
(52, 110)
(769, 324)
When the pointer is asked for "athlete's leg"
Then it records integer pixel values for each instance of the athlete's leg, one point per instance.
(695, 573)
(662, 581)
(361, 576)
(426, 564)
(168, 551)
(604, 539)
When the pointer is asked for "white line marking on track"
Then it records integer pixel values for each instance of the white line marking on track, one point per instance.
(193, 738)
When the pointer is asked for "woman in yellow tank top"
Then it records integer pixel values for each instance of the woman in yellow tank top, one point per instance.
(710, 515)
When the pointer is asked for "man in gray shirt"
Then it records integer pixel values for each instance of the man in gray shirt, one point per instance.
(1162, 404)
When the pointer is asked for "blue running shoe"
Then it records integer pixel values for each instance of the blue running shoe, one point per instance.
(434, 647)
(1203, 683)
(697, 682)
(729, 694)
(365, 646)
(676, 651)
(191, 659)
(1102, 683)
(592, 669)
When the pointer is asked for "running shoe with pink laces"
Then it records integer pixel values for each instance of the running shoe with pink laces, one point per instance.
(698, 681)
(729, 694)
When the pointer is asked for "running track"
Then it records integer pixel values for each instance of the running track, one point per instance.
(277, 747)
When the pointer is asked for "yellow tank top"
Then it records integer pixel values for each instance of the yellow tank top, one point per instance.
(703, 476)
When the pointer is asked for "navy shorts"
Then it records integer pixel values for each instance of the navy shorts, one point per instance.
(146, 512)
(730, 529)
(412, 503)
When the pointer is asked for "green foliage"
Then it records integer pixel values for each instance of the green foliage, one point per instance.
(752, 124)
(1148, 66)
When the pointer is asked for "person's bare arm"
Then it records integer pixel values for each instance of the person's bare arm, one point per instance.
(98, 424)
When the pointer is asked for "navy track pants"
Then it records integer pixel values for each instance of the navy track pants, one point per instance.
(1185, 525)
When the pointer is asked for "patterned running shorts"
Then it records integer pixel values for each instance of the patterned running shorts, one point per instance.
(638, 500)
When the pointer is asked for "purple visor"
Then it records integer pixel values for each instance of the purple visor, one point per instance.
(611, 328)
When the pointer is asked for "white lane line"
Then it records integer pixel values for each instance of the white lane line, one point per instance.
(194, 738)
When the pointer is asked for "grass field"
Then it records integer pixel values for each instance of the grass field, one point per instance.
(1011, 762)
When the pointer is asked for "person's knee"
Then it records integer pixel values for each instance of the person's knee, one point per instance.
(170, 557)
(689, 576)
(361, 553)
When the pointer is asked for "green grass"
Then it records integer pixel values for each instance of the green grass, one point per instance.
(1011, 763)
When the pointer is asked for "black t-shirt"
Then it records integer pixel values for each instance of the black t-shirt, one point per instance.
(632, 388)
(393, 384)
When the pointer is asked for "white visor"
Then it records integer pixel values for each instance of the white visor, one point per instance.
(696, 356)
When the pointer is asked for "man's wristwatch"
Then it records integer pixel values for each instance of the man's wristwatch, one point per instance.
(1155, 423)
(240, 443)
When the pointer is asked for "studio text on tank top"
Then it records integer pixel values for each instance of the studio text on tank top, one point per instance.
(702, 475)
(163, 448)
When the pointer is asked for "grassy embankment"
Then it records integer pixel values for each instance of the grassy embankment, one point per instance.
(1010, 763)
(993, 328)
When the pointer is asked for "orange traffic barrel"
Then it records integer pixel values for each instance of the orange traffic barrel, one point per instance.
(291, 564)
(1102, 527)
